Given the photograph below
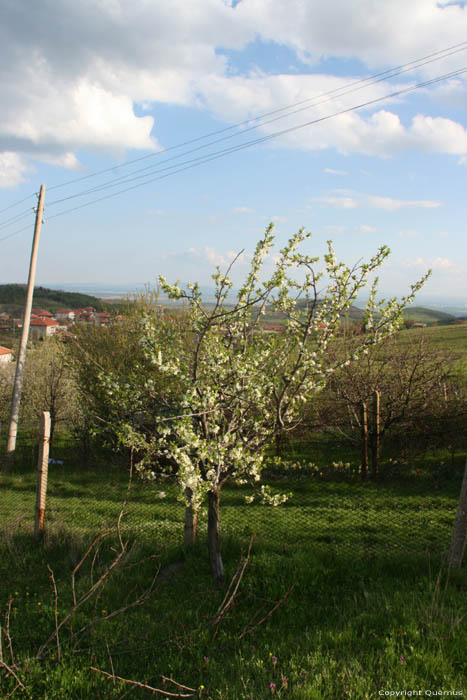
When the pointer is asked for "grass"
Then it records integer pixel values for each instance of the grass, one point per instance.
(353, 573)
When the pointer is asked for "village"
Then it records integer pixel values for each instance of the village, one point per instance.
(45, 323)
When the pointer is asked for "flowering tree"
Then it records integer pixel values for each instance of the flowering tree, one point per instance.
(241, 386)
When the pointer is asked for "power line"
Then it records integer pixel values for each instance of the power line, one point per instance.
(194, 162)
(14, 219)
(219, 154)
(15, 233)
(16, 204)
(384, 75)
(127, 178)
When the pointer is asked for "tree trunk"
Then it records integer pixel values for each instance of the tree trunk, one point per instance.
(217, 566)
(191, 521)
(459, 532)
(364, 430)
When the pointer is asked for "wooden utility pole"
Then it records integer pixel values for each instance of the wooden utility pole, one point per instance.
(18, 385)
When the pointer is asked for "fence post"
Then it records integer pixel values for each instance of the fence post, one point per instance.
(376, 432)
(42, 472)
(191, 520)
(364, 431)
(459, 531)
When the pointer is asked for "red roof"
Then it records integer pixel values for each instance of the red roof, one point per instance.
(5, 351)
(41, 312)
(64, 311)
(44, 322)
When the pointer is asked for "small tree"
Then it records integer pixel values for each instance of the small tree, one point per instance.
(398, 388)
(49, 386)
(115, 350)
(242, 386)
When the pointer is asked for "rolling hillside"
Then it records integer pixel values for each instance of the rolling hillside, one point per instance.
(13, 298)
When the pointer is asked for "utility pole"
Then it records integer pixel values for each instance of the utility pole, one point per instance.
(18, 385)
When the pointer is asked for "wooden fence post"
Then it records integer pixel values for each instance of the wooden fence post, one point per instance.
(364, 431)
(376, 432)
(42, 472)
(459, 531)
(191, 520)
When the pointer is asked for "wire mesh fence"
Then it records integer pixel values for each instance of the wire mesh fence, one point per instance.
(324, 513)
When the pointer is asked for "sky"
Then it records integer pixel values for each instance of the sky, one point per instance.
(161, 97)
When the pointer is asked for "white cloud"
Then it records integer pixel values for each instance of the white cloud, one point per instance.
(443, 264)
(407, 234)
(438, 264)
(346, 199)
(242, 210)
(370, 31)
(365, 228)
(86, 78)
(13, 169)
(334, 229)
(330, 171)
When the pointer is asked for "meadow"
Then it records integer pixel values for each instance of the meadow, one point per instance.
(343, 594)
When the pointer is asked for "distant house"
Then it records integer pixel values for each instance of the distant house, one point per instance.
(65, 315)
(83, 315)
(6, 355)
(43, 327)
(41, 313)
(101, 319)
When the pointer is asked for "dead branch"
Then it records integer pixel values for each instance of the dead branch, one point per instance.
(52, 577)
(192, 693)
(229, 598)
(111, 662)
(7, 633)
(250, 630)
(139, 601)
(10, 671)
(81, 562)
(84, 598)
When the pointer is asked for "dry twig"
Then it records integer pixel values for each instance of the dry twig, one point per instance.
(52, 577)
(229, 598)
(191, 694)
(250, 629)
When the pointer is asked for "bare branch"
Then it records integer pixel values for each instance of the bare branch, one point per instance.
(146, 686)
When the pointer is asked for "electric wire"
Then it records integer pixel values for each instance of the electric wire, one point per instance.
(127, 177)
(219, 154)
(384, 75)
(14, 219)
(16, 204)
(15, 233)
(416, 63)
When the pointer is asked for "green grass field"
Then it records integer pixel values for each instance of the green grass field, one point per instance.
(344, 595)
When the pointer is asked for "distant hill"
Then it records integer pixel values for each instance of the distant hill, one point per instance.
(412, 313)
(424, 315)
(13, 299)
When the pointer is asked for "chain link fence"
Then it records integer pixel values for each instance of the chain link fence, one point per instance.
(329, 511)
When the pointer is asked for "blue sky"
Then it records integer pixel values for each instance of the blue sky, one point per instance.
(89, 86)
